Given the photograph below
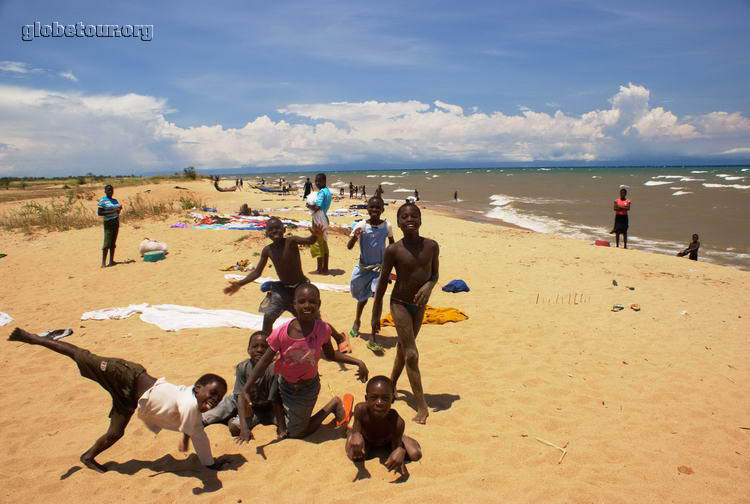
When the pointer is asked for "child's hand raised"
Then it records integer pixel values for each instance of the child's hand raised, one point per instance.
(232, 287)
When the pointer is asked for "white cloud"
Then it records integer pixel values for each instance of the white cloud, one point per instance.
(131, 133)
(68, 75)
(17, 67)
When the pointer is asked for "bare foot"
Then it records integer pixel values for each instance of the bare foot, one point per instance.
(19, 334)
(103, 265)
(92, 464)
(421, 417)
(340, 411)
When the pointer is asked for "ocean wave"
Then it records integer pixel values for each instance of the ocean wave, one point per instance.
(699, 171)
(502, 199)
(401, 189)
(656, 182)
(387, 183)
(734, 186)
(688, 179)
(667, 176)
(371, 176)
(680, 193)
(734, 178)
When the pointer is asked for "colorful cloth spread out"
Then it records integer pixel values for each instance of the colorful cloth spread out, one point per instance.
(175, 317)
(433, 316)
(242, 222)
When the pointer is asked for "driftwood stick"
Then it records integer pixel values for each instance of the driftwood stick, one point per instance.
(563, 450)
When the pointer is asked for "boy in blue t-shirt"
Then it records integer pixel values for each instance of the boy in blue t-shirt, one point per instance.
(319, 249)
(110, 209)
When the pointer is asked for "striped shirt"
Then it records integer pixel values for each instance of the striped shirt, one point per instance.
(110, 205)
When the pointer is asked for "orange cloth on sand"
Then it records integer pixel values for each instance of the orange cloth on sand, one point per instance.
(432, 316)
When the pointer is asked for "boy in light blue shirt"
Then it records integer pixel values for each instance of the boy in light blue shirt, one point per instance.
(319, 249)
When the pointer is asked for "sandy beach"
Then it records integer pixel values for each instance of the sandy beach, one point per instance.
(632, 395)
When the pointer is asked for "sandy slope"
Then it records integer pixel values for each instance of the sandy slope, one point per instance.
(634, 394)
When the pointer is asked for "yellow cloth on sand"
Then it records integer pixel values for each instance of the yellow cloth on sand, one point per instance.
(433, 316)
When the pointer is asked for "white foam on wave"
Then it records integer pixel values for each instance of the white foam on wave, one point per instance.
(656, 182)
(401, 189)
(387, 183)
(371, 176)
(734, 178)
(722, 175)
(502, 199)
(745, 169)
(734, 186)
(688, 179)
(404, 173)
(676, 188)
(667, 176)
(595, 176)
(699, 171)
(680, 193)
(544, 169)
(435, 176)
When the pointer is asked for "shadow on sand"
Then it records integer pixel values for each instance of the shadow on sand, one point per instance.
(437, 402)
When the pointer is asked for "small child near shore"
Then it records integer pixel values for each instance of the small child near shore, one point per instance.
(376, 425)
(692, 249)
(372, 235)
(284, 254)
(265, 405)
(416, 261)
(160, 404)
(299, 344)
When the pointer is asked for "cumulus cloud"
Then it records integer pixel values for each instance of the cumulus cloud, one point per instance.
(132, 133)
(18, 67)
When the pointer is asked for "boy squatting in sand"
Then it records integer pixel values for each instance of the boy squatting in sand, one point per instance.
(160, 404)
(416, 261)
(299, 343)
(377, 425)
(372, 235)
(266, 407)
(284, 254)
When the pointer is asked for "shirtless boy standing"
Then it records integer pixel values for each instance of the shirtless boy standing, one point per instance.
(416, 261)
(284, 254)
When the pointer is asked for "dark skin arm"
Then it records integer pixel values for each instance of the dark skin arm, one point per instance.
(424, 292)
(618, 207)
(243, 402)
(395, 461)
(336, 356)
(235, 285)
(385, 274)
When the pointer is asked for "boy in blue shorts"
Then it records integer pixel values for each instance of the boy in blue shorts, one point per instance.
(372, 235)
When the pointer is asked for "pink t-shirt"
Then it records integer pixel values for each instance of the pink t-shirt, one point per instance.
(298, 359)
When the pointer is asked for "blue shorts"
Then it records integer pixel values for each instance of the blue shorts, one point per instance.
(364, 283)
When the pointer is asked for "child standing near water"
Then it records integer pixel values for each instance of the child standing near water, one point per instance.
(416, 261)
(299, 344)
(372, 235)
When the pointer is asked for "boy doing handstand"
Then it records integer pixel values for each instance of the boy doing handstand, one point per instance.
(377, 425)
(416, 261)
(160, 404)
(284, 254)
(372, 235)
(265, 405)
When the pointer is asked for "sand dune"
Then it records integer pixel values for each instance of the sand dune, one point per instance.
(633, 394)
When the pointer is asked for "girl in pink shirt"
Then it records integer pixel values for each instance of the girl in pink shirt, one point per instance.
(299, 344)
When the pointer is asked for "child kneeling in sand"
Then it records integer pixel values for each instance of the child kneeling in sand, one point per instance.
(160, 404)
(416, 261)
(299, 343)
(376, 425)
(266, 406)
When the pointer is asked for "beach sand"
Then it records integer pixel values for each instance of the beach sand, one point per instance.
(634, 395)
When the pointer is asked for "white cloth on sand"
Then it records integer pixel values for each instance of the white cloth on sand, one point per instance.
(321, 286)
(175, 317)
(5, 319)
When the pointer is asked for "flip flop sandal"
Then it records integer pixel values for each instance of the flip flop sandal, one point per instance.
(57, 334)
(348, 401)
(635, 307)
(378, 349)
(617, 308)
(353, 333)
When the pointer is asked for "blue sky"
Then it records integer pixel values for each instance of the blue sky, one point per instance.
(296, 83)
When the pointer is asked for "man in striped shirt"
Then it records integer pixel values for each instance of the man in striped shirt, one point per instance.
(110, 209)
